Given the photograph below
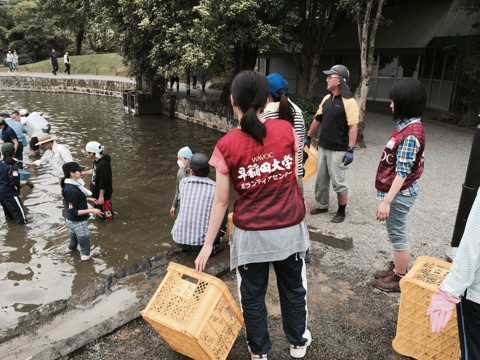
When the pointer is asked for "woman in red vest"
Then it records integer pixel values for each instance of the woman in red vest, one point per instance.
(259, 159)
(401, 165)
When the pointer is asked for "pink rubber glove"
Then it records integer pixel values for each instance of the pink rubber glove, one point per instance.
(440, 309)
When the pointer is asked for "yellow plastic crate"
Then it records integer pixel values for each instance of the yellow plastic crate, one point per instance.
(230, 225)
(311, 163)
(414, 337)
(195, 313)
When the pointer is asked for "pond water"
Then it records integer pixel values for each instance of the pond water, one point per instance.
(33, 268)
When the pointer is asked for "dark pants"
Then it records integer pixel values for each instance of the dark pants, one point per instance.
(19, 155)
(54, 68)
(13, 208)
(292, 288)
(468, 315)
(67, 69)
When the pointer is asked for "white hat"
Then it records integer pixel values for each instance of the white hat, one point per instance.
(23, 112)
(44, 138)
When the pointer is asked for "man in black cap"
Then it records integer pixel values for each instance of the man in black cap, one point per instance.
(197, 192)
(338, 116)
(8, 135)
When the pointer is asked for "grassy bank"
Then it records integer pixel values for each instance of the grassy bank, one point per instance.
(94, 64)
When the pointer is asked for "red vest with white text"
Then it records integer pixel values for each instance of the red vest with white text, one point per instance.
(264, 177)
(388, 163)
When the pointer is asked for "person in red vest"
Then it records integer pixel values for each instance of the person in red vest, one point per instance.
(401, 165)
(259, 159)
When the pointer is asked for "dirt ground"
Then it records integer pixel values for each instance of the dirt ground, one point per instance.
(348, 319)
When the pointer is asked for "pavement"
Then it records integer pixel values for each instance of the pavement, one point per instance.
(348, 318)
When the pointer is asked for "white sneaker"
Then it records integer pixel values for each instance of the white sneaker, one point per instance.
(85, 257)
(297, 351)
(259, 356)
(68, 251)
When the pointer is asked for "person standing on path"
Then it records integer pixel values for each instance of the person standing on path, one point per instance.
(401, 165)
(78, 212)
(102, 183)
(67, 63)
(10, 61)
(259, 159)
(54, 62)
(15, 60)
(338, 117)
(461, 287)
(183, 158)
(55, 154)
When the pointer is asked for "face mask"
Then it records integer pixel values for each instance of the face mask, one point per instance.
(181, 165)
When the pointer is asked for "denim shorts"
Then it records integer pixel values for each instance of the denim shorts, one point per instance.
(397, 221)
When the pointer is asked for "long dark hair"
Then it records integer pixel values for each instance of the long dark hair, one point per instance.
(409, 99)
(286, 110)
(250, 91)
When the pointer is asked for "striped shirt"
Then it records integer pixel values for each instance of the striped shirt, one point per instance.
(406, 155)
(196, 194)
(465, 271)
(271, 112)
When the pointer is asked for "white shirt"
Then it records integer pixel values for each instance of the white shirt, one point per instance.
(9, 57)
(57, 156)
(34, 124)
(465, 271)
(65, 59)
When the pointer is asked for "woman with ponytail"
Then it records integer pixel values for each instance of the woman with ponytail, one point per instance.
(10, 186)
(259, 159)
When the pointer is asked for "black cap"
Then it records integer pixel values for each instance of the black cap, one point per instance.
(199, 164)
(70, 167)
(340, 70)
(4, 113)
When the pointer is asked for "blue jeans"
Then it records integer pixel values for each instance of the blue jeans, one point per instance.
(397, 221)
(79, 234)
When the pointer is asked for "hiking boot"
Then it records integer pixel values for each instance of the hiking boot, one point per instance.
(380, 274)
(390, 283)
(85, 257)
(338, 218)
(299, 351)
(317, 211)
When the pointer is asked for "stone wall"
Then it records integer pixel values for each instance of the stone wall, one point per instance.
(69, 85)
(203, 111)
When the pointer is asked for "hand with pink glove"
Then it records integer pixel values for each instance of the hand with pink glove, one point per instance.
(440, 309)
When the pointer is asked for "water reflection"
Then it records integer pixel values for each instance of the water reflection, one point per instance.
(33, 269)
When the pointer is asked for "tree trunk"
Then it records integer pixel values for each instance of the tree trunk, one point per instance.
(79, 40)
(309, 73)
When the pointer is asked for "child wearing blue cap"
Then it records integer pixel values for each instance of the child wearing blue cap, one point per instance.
(183, 160)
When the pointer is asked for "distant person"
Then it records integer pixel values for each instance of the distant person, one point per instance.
(102, 184)
(174, 79)
(183, 158)
(461, 289)
(15, 123)
(401, 165)
(15, 60)
(10, 61)
(197, 192)
(77, 210)
(8, 135)
(54, 62)
(10, 186)
(337, 115)
(67, 63)
(55, 154)
(35, 124)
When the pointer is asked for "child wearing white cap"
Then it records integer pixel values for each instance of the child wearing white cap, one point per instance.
(183, 159)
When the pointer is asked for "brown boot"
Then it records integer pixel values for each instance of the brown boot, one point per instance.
(390, 283)
(380, 274)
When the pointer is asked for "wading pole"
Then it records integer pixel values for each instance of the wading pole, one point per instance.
(469, 191)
